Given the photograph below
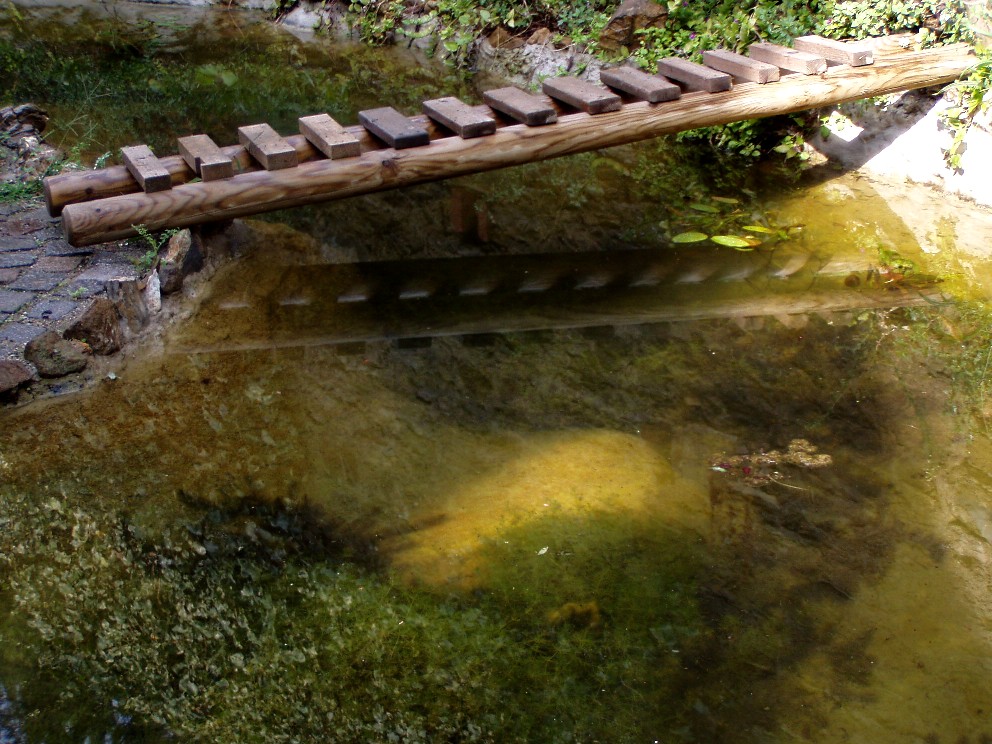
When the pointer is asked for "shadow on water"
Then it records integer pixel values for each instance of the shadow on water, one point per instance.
(497, 461)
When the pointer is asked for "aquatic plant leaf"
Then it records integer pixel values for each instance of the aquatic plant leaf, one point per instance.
(731, 241)
(726, 199)
(759, 229)
(689, 237)
(708, 208)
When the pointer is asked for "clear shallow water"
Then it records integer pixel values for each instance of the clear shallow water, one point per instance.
(539, 477)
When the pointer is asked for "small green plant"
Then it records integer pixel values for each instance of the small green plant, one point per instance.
(154, 242)
(972, 94)
(19, 190)
(728, 222)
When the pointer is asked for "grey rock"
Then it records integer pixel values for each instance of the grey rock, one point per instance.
(52, 309)
(153, 293)
(129, 297)
(14, 244)
(54, 356)
(59, 247)
(16, 260)
(11, 302)
(99, 327)
(19, 334)
(183, 256)
(13, 374)
(37, 281)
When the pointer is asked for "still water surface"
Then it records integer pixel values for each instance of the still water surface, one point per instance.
(497, 461)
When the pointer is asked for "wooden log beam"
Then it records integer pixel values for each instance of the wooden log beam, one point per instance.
(68, 188)
(323, 180)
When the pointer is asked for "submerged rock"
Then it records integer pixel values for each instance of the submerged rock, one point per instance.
(54, 356)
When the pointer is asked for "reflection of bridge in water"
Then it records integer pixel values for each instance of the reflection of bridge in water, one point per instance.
(411, 302)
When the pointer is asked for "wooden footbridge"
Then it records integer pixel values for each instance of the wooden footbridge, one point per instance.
(327, 161)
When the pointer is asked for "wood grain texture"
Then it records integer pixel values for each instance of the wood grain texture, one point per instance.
(459, 117)
(322, 180)
(396, 130)
(204, 157)
(582, 95)
(640, 84)
(534, 111)
(147, 169)
(852, 53)
(741, 67)
(787, 58)
(694, 76)
(268, 147)
(329, 137)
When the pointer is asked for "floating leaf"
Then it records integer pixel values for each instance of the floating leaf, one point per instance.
(759, 229)
(228, 78)
(726, 199)
(689, 237)
(709, 208)
(731, 241)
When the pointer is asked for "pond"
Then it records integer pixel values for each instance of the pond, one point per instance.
(497, 460)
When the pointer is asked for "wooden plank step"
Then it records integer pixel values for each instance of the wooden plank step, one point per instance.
(854, 54)
(204, 157)
(534, 111)
(459, 117)
(582, 94)
(640, 84)
(393, 128)
(147, 169)
(792, 60)
(329, 137)
(267, 147)
(694, 76)
(741, 67)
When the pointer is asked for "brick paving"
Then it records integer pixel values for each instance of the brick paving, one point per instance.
(45, 283)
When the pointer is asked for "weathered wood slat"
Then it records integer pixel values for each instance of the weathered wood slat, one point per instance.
(582, 94)
(786, 58)
(640, 84)
(329, 137)
(268, 147)
(741, 67)
(205, 158)
(322, 180)
(846, 53)
(459, 117)
(147, 169)
(534, 111)
(694, 76)
(393, 128)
